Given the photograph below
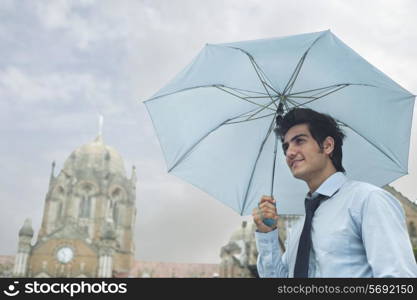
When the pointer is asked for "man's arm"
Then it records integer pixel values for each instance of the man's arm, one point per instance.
(271, 262)
(385, 237)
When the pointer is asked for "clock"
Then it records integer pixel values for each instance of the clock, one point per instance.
(65, 254)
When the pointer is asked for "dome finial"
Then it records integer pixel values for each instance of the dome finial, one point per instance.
(99, 138)
(100, 125)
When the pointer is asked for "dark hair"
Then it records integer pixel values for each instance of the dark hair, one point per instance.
(320, 125)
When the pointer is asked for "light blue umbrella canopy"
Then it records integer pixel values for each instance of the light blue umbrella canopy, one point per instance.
(215, 119)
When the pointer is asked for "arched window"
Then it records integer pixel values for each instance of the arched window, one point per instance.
(85, 203)
(116, 197)
(116, 217)
(85, 206)
(60, 211)
(116, 193)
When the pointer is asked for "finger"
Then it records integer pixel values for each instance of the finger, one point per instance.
(269, 215)
(265, 198)
(268, 211)
(256, 212)
(267, 205)
(257, 217)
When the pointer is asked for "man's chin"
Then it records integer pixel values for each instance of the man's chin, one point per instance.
(297, 175)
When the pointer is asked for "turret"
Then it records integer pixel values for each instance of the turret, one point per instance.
(23, 251)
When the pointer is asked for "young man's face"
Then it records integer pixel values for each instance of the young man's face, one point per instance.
(304, 157)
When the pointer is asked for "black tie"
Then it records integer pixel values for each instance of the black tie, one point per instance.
(304, 246)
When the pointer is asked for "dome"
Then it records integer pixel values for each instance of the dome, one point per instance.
(95, 155)
(26, 229)
(243, 233)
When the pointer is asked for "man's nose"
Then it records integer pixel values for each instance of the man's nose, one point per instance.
(291, 152)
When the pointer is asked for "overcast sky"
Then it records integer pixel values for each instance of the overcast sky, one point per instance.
(62, 63)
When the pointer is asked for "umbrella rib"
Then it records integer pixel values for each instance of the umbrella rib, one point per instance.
(260, 78)
(250, 119)
(294, 75)
(318, 89)
(237, 89)
(263, 74)
(256, 68)
(316, 98)
(201, 139)
(303, 97)
(271, 127)
(256, 97)
(331, 86)
(247, 96)
(321, 91)
(293, 102)
(340, 86)
(182, 90)
(260, 110)
(257, 112)
(373, 144)
(243, 98)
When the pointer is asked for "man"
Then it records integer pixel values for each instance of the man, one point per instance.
(351, 228)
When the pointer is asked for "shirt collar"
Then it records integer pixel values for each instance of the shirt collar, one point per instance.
(332, 184)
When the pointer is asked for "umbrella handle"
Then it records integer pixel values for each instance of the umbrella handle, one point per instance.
(270, 222)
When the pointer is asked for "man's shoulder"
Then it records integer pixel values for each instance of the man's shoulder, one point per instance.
(368, 192)
(361, 186)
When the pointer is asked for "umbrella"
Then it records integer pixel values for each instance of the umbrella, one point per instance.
(215, 119)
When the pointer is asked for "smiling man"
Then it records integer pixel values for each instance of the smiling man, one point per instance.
(351, 228)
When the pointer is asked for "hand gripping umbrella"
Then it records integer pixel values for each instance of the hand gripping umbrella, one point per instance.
(215, 120)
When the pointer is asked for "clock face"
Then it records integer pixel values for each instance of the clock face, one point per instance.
(65, 254)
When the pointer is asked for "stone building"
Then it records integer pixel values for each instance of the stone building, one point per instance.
(88, 220)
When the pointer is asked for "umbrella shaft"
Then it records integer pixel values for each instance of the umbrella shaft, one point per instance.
(274, 162)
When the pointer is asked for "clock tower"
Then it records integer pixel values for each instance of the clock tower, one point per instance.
(88, 221)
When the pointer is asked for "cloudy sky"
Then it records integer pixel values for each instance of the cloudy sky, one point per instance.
(62, 63)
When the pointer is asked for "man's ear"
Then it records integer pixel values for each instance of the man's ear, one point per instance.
(328, 146)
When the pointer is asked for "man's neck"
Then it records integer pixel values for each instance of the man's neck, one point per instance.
(317, 180)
